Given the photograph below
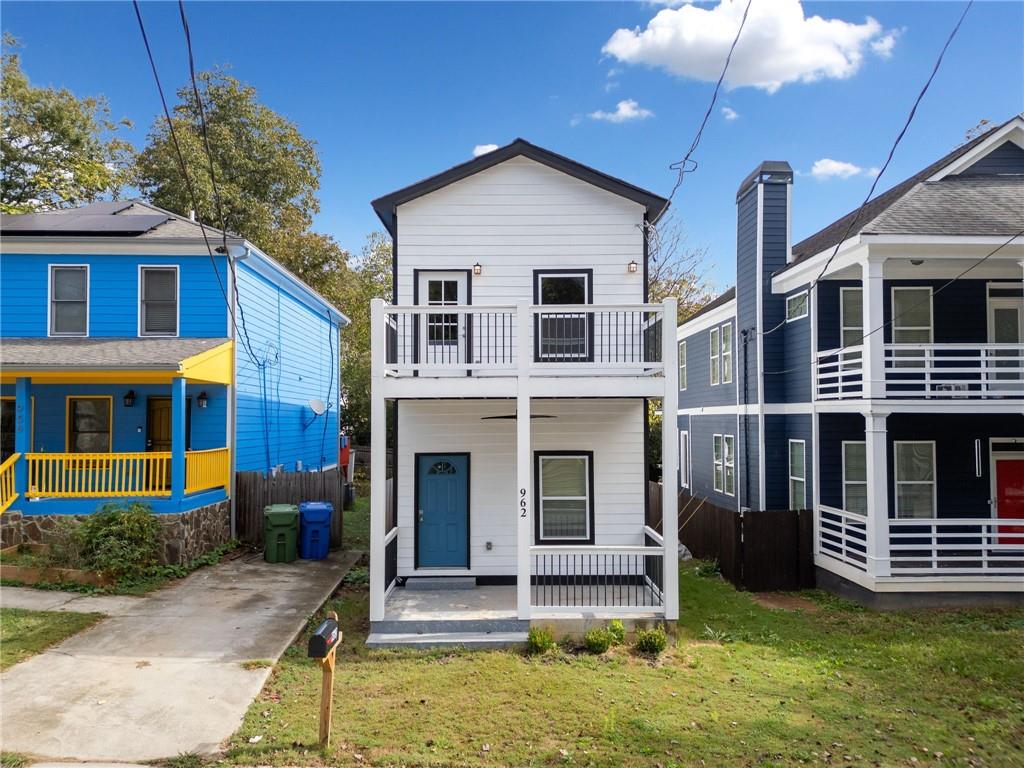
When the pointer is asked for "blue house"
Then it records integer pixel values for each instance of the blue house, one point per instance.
(874, 374)
(137, 362)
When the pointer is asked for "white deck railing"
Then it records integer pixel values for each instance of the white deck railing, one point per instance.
(956, 547)
(842, 535)
(933, 371)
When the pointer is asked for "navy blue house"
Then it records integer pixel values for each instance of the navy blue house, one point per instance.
(874, 373)
(139, 365)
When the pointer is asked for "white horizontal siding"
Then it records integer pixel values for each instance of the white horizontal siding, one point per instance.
(612, 429)
(516, 217)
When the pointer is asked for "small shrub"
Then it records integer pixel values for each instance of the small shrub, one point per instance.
(651, 641)
(66, 543)
(617, 631)
(717, 635)
(123, 542)
(539, 640)
(597, 641)
(357, 577)
(708, 569)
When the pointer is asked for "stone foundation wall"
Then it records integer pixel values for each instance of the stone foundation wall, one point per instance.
(186, 535)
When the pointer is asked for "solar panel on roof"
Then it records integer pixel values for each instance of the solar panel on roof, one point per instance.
(105, 207)
(80, 224)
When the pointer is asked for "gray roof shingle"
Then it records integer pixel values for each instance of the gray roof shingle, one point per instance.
(77, 353)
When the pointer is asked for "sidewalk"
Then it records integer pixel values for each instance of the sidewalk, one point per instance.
(163, 675)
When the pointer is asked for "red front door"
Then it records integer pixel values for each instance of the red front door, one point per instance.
(1010, 499)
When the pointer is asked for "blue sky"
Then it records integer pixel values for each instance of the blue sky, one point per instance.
(395, 92)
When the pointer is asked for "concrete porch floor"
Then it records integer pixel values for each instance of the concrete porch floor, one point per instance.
(473, 604)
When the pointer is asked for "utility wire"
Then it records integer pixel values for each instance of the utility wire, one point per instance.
(892, 151)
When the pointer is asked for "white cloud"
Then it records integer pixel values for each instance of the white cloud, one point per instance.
(483, 149)
(625, 110)
(883, 46)
(827, 168)
(779, 44)
(614, 72)
(729, 113)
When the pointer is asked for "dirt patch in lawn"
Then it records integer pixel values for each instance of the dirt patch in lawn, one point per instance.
(785, 602)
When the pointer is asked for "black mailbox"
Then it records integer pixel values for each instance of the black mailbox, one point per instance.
(324, 639)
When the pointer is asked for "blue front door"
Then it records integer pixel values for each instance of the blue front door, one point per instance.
(442, 510)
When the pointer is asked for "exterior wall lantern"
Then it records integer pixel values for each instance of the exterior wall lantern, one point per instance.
(129, 398)
(202, 400)
(477, 269)
(632, 266)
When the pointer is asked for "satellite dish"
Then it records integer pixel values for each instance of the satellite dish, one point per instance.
(317, 406)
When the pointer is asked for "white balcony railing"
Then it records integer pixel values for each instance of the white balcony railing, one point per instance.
(932, 371)
(842, 535)
(484, 340)
(956, 547)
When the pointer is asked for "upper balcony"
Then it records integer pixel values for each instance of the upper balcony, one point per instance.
(482, 350)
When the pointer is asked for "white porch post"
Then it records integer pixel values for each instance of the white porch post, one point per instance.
(877, 459)
(670, 460)
(874, 344)
(524, 490)
(378, 461)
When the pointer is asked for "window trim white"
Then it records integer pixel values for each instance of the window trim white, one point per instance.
(588, 510)
(681, 344)
(49, 300)
(714, 342)
(717, 439)
(684, 458)
(846, 482)
(807, 305)
(842, 312)
(894, 317)
(726, 376)
(934, 482)
(729, 462)
(792, 477)
(140, 328)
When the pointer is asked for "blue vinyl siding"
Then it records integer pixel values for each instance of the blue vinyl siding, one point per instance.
(699, 391)
(113, 294)
(746, 284)
(833, 429)
(828, 310)
(778, 431)
(773, 306)
(794, 386)
(272, 400)
(748, 452)
(1006, 158)
(702, 430)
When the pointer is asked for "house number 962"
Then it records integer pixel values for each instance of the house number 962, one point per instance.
(522, 502)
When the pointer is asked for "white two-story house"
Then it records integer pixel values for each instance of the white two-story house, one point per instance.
(510, 376)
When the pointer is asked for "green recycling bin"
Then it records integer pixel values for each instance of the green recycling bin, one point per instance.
(281, 533)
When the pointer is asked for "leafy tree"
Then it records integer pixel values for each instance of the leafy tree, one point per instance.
(56, 150)
(676, 269)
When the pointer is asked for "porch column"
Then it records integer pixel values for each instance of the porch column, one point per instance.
(670, 460)
(22, 432)
(524, 489)
(177, 437)
(874, 349)
(378, 462)
(877, 460)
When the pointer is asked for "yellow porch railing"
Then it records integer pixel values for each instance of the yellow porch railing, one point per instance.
(207, 469)
(7, 493)
(88, 475)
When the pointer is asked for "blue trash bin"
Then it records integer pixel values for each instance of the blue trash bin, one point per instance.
(314, 529)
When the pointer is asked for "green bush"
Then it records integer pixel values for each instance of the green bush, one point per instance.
(358, 577)
(651, 641)
(597, 641)
(121, 541)
(539, 640)
(617, 630)
(66, 544)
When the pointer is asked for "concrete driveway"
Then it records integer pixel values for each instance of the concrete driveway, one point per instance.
(163, 674)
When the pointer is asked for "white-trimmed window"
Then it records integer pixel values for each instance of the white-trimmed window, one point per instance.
(714, 336)
(158, 301)
(796, 306)
(682, 365)
(684, 458)
(727, 353)
(855, 477)
(724, 475)
(911, 323)
(914, 478)
(69, 300)
(851, 317)
(564, 496)
(797, 474)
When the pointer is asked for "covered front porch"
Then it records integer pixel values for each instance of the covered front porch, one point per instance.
(91, 421)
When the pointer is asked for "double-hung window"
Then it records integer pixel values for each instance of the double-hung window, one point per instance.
(855, 477)
(724, 479)
(69, 301)
(89, 424)
(565, 498)
(796, 306)
(915, 478)
(911, 324)
(727, 353)
(158, 301)
(851, 313)
(714, 342)
(797, 475)
(684, 459)
(682, 365)
(564, 335)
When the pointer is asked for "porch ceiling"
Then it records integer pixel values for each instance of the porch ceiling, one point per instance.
(116, 360)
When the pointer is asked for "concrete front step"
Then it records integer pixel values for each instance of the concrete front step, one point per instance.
(440, 582)
(445, 639)
(447, 626)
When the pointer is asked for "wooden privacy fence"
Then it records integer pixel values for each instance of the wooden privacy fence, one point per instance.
(254, 491)
(757, 551)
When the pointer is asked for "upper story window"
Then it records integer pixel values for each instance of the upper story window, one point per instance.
(564, 335)
(158, 301)
(682, 365)
(727, 353)
(715, 343)
(796, 306)
(911, 324)
(69, 301)
(851, 314)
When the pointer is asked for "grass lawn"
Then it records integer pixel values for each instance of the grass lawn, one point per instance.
(742, 685)
(355, 530)
(25, 633)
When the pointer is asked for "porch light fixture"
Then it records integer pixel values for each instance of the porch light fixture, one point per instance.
(202, 400)
(477, 269)
(129, 398)
(632, 266)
